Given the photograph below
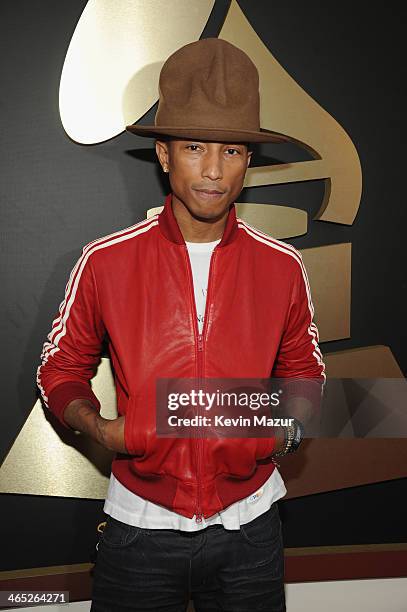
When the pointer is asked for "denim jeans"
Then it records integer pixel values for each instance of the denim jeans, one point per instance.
(218, 569)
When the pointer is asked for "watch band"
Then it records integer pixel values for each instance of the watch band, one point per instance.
(297, 437)
(293, 435)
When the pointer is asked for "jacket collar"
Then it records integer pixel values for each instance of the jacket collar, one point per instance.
(170, 228)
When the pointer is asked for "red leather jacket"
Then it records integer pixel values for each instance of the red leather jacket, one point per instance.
(135, 287)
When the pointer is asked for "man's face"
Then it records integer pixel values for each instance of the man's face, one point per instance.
(205, 176)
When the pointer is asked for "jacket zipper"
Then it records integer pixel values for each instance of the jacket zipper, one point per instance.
(199, 339)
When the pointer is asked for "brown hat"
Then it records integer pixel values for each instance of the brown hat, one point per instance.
(209, 90)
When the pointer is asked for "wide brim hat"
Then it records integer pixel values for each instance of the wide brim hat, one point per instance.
(209, 91)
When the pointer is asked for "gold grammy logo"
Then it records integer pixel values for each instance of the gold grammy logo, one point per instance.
(109, 80)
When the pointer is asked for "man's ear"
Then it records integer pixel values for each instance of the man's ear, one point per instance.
(161, 148)
(249, 157)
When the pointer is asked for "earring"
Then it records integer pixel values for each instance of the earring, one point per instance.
(165, 168)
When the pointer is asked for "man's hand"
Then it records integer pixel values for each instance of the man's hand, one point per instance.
(110, 433)
(280, 440)
(82, 416)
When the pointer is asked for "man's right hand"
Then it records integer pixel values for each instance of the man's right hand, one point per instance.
(110, 433)
(82, 416)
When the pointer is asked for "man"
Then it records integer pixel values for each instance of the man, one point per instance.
(190, 292)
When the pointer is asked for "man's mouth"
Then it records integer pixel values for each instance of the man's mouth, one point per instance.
(209, 193)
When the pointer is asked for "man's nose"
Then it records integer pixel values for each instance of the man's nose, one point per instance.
(212, 166)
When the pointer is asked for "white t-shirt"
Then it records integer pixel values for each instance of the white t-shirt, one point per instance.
(127, 507)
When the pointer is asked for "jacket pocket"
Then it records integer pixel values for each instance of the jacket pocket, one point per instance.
(236, 456)
(264, 447)
(233, 456)
(151, 455)
(133, 438)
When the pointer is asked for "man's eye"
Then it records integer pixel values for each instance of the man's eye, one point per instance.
(193, 147)
(231, 151)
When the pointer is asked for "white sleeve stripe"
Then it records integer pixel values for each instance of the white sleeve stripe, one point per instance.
(292, 252)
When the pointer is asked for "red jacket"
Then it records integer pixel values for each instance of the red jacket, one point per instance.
(135, 288)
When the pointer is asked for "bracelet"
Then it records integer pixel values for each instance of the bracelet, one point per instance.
(288, 438)
(298, 435)
(292, 437)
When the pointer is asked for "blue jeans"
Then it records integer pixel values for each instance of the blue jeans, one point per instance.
(218, 569)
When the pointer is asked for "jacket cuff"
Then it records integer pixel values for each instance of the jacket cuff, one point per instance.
(310, 389)
(65, 393)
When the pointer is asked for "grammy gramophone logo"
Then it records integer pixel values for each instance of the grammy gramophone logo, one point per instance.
(109, 80)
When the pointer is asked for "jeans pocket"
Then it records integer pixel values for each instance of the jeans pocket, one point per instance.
(264, 530)
(119, 535)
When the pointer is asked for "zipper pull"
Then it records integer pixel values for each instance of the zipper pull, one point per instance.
(198, 518)
(200, 342)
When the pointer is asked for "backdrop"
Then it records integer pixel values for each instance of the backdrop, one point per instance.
(57, 195)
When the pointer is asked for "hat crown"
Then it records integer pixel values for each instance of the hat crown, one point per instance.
(209, 83)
